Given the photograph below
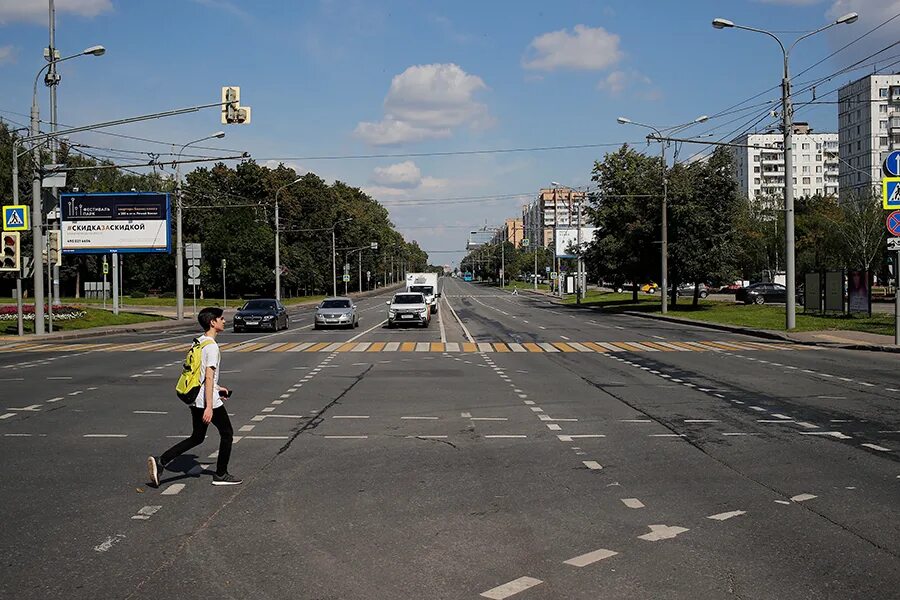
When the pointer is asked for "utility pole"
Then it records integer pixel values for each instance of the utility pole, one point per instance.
(52, 80)
(580, 268)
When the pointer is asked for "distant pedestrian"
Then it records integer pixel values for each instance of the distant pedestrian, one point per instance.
(209, 407)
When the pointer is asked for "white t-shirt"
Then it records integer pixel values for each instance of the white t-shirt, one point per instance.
(210, 357)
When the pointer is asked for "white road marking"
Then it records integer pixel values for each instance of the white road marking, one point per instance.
(501, 592)
(632, 503)
(803, 497)
(505, 436)
(635, 421)
(807, 425)
(593, 465)
(150, 412)
(667, 435)
(429, 437)
(564, 337)
(590, 558)
(727, 515)
(7, 415)
(780, 416)
(146, 512)
(265, 437)
(16, 435)
(662, 532)
(757, 409)
(553, 427)
(876, 447)
(701, 420)
(465, 415)
(421, 418)
(58, 378)
(172, 489)
(108, 543)
(350, 417)
(774, 421)
(529, 402)
(346, 437)
(268, 409)
(105, 435)
(834, 434)
(489, 419)
(569, 438)
(245, 428)
(740, 433)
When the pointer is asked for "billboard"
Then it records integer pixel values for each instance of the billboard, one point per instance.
(567, 238)
(859, 298)
(118, 222)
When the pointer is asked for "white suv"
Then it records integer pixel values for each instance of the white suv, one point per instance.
(408, 307)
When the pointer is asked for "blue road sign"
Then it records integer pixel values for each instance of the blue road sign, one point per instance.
(890, 192)
(891, 165)
(15, 217)
(893, 223)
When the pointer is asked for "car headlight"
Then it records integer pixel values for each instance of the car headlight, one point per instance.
(424, 312)
(392, 312)
(238, 318)
(268, 318)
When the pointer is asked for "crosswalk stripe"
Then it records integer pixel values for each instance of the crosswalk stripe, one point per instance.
(331, 347)
(437, 347)
(469, 347)
(286, 347)
(377, 347)
(671, 346)
(624, 346)
(361, 347)
(717, 345)
(516, 347)
(423, 347)
(657, 346)
(345, 347)
(532, 347)
(485, 347)
(548, 347)
(564, 346)
(595, 347)
(643, 346)
(408, 347)
(268, 348)
(580, 347)
(316, 347)
(686, 346)
(452, 347)
(301, 347)
(609, 346)
(500, 347)
(250, 347)
(392, 347)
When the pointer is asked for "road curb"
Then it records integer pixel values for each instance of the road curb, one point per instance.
(763, 333)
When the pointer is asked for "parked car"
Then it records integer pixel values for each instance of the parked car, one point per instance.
(730, 288)
(687, 289)
(408, 308)
(337, 312)
(263, 313)
(650, 288)
(760, 293)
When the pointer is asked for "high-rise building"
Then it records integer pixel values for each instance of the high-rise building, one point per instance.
(759, 168)
(511, 231)
(553, 207)
(869, 129)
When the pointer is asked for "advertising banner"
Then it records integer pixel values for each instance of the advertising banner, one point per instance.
(567, 239)
(859, 298)
(834, 291)
(812, 292)
(122, 223)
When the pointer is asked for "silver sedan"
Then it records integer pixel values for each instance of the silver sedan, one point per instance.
(336, 312)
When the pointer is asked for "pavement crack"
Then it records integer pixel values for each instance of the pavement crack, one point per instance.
(428, 439)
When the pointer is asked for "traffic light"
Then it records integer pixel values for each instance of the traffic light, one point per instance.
(232, 111)
(12, 257)
(53, 240)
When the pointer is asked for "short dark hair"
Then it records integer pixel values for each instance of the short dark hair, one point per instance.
(208, 315)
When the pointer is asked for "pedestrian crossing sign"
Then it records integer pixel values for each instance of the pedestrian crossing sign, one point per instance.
(890, 193)
(15, 217)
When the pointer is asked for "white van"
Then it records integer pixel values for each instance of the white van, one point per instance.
(425, 284)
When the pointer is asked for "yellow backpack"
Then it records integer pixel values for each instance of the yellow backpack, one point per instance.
(191, 379)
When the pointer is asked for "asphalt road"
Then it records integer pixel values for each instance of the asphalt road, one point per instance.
(513, 449)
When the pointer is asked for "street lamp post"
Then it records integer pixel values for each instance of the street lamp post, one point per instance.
(179, 245)
(278, 240)
(334, 256)
(37, 211)
(664, 250)
(787, 127)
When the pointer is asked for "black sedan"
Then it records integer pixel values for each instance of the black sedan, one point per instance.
(264, 313)
(760, 293)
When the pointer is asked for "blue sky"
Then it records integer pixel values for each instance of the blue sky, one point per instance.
(342, 78)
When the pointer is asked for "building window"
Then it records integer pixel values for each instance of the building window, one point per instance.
(795, 180)
(756, 158)
(818, 180)
(883, 141)
(806, 181)
(805, 169)
(756, 180)
(819, 157)
(819, 169)
(882, 124)
(806, 191)
(858, 144)
(882, 93)
(756, 169)
(806, 157)
(804, 146)
(882, 108)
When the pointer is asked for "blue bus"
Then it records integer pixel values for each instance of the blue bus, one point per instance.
(467, 276)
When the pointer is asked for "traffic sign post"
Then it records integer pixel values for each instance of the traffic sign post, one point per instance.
(15, 217)
(525, 242)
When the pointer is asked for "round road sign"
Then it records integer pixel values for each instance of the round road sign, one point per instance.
(891, 164)
(893, 223)
(193, 272)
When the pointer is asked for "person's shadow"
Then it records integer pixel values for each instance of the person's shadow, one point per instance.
(186, 466)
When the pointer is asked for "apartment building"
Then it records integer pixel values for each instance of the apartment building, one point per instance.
(759, 164)
(869, 129)
(553, 207)
(512, 231)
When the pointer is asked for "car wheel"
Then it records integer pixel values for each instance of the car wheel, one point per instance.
(759, 300)
(704, 294)
(287, 324)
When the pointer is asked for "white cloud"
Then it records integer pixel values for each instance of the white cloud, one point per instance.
(639, 85)
(588, 48)
(7, 55)
(400, 175)
(427, 102)
(34, 11)
(872, 13)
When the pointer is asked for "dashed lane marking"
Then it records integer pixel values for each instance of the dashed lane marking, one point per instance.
(590, 558)
(727, 515)
(501, 592)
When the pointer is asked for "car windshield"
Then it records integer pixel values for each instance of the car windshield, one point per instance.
(409, 299)
(335, 304)
(259, 305)
(422, 289)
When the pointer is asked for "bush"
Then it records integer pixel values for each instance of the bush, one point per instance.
(167, 295)
(138, 295)
(60, 313)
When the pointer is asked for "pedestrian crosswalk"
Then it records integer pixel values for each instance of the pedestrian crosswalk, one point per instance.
(642, 346)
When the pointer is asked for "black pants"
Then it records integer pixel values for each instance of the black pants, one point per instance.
(226, 433)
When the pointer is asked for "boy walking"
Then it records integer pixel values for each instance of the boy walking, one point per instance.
(208, 408)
